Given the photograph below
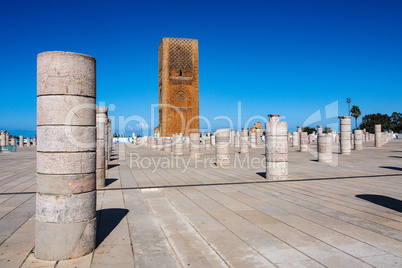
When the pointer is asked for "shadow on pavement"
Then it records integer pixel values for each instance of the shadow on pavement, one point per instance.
(393, 168)
(108, 219)
(382, 200)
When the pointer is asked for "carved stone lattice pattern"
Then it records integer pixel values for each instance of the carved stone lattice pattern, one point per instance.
(180, 54)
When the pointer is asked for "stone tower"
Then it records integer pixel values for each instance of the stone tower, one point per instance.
(178, 86)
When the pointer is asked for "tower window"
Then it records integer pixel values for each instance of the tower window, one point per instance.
(181, 73)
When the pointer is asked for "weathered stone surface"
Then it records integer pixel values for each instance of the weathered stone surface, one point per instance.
(358, 139)
(276, 148)
(324, 148)
(21, 141)
(295, 139)
(71, 240)
(303, 142)
(66, 156)
(244, 141)
(345, 134)
(3, 138)
(167, 145)
(195, 145)
(379, 141)
(222, 141)
(67, 139)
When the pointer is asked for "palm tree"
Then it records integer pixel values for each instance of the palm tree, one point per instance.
(356, 113)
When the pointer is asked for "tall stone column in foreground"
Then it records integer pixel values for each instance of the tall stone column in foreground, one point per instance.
(195, 145)
(21, 141)
(66, 156)
(101, 151)
(345, 128)
(303, 142)
(324, 148)
(276, 148)
(358, 139)
(222, 141)
(378, 142)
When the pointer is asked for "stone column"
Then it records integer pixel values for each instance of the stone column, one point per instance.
(378, 136)
(34, 141)
(110, 138)
(289, 134)
(303, 142)
(209, 134)
(159, 143)
(13, 141)
(324, 148)
(299, 129)
(334, 134)
(222, 137)
(195, 145)
(252, 140)
(295, 139)
(29, 144)
(203, 136)
(178, 150)
(213, 140)
(167, 145)
(345, 128)
(149, 142)
(7, 138)
(232, 137)
(237, 139)
(134, 137)
(101, 159)
(153, 143)
(276, 148)
(66, 156)
(319, 130)
(244, 141)
(187, 141)
(21, 141)
(3, 138)
(208, 143)
(358, 139)
(257, 136)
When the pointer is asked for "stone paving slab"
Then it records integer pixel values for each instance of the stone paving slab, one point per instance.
(158, 210)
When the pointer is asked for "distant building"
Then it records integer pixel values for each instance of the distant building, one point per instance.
(178, 86)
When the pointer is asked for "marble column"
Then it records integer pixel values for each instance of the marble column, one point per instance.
(324, 148)
(222, 141)
(178, 150)
(167, 145)
(13, 141)
(252, 140)
(378, 136)
(232, 137)
(159, 143)
(319, 130)
(345, 128)
(34, 141)
(299, 129)
(244, 141)
(276, 148)
(7, 138)
(237, 140)
(303, 142)
(66, 156)
(208, 143)
(358, 139)
(195, 145)
(29, 144)
(213, 140)
(21, 141)
(295, 139)
(203, 137)
(101, 151)
(257, 136)
(3, 138)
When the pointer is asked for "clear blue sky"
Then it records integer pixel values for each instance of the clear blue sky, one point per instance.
(287, 57)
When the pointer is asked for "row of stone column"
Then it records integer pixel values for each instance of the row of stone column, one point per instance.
(6, 140)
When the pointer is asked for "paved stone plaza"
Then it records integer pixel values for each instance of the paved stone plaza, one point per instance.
(159, 211)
